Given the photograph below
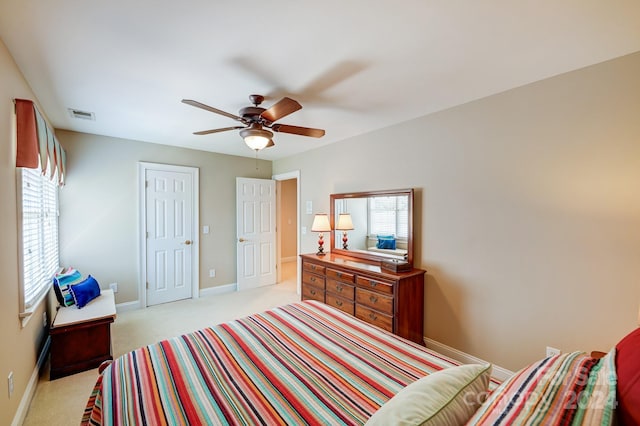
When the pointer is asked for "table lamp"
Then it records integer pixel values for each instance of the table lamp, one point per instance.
(320, 225)
(344, 224)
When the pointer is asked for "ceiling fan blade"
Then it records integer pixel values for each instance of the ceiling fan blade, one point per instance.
(223, 129)
(297, 130)
(282, 108)
(212, 109)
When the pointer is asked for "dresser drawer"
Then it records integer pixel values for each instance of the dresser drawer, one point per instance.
(376, 318)
(340, 275)
(341, 289)
(311, 292)
(312, 267)
(313, 279)
(375, 300)
(340, 303)
(375, 285)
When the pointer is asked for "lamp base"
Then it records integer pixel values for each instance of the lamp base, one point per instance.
(320, 246)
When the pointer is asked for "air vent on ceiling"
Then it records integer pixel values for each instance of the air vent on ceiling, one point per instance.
(84, 115)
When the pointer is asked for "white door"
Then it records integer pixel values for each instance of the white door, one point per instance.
(256, 232)
(169, 216)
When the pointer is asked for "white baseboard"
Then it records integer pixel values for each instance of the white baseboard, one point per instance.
(30, 391)
(128, 306)
(221, 289)
(497, 372)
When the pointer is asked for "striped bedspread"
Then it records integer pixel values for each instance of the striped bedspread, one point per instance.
(303, 363)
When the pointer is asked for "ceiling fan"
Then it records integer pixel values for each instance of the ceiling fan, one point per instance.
(257, 120)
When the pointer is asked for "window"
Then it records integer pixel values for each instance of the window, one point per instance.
(38, 228)
(389, 216)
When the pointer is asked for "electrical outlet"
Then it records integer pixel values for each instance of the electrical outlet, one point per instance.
(552, 351)
(10, 383)
(44, 319)
(212, 273)
(114, 287)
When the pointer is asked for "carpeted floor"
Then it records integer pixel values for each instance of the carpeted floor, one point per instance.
(61, 402)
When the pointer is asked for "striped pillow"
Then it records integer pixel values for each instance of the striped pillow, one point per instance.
(546, 392)
(598, 400)
(62, 282)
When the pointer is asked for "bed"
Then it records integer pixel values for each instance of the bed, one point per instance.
(308, 363)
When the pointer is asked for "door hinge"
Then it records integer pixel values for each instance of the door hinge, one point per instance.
(147, 285)
(146, 234)
(146, 183)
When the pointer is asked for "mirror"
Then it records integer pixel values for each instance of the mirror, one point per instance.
(381, 225)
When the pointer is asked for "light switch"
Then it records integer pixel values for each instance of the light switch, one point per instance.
(205, 229)
(304, 230)
(309, 209)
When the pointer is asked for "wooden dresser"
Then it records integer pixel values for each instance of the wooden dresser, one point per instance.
(390, 300)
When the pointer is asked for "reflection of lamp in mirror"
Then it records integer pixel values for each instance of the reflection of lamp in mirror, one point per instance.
(321, 224)
(344, 224)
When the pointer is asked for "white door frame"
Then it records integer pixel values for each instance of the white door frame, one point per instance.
(286, 176)
(142, 226)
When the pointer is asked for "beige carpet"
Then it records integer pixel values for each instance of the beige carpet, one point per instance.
(61, 402)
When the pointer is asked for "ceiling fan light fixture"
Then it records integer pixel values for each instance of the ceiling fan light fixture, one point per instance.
(256, 139)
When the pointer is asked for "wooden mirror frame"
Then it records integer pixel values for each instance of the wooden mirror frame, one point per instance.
(363, 254)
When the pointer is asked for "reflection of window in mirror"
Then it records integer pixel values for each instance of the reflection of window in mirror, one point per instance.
(375, 213)
(389, 216)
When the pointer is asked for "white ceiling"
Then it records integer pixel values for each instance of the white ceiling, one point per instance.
(354, 65)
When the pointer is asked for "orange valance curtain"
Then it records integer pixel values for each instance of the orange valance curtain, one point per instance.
(38, 146)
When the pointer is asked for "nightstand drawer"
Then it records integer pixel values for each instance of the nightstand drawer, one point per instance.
(340, 303)
(340, 276)
(341, 289)
(313, 279)
(375, 285)
(375, 300)
(375, 318)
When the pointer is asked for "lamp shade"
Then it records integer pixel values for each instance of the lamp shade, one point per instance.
(344, 222)
(321, 223)
(256, 137)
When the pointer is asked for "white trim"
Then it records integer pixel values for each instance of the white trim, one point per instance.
(295, 174)
(128, 306)
(30, 391)
(220, 289)
(497, 372)
(142, 222)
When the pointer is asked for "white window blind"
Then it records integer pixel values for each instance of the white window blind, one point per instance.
(389, 216)
(39, 236)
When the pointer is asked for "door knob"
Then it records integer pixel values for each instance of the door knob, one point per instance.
(188, 242)
(242, 240)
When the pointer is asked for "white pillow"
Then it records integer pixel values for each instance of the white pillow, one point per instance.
(447, 397)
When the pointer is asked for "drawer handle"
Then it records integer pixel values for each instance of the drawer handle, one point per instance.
(313, 267)
(313, 279)
(373, 283)
(339, 274)
(339, 288)
(373, 316)
(338, 303)
(373, 299)
(313, 292)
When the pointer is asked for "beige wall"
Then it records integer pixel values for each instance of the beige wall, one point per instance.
(527, 211)
(288, 219)
(99, 216)
(20, 346)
